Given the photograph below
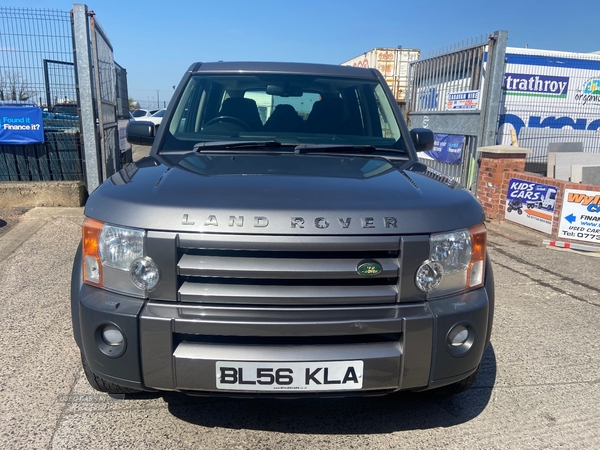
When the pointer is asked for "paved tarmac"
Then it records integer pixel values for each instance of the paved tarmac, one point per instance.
(538, 388)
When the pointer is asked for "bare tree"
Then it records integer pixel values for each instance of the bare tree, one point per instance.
(14, 87)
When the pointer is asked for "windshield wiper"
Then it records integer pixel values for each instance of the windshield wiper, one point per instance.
(229, 145)
(333, 148)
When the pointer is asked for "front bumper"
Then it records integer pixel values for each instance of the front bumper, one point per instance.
(175, 346)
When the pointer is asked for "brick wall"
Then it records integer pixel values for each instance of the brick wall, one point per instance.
(492, 173)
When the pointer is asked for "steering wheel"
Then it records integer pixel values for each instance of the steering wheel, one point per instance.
(230, 119)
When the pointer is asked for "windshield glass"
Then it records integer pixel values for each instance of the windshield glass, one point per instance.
(288, 108)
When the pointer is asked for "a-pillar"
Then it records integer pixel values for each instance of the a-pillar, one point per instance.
(491, 186)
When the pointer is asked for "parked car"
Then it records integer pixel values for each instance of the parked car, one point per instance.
(295, 257)
(156, 118)
(143, 114)
(69, 108)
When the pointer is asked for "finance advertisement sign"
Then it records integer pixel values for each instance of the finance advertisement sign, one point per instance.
(21, 125)
(580, 218)
(447, 148)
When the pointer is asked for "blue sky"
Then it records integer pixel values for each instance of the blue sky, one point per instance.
(156, 41)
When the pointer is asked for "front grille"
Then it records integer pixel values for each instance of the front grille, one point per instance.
(286, 270)
(287, 341)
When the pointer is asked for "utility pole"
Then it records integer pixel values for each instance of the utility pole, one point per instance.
(157, 100)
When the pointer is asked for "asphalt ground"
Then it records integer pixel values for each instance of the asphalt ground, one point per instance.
(538, 387)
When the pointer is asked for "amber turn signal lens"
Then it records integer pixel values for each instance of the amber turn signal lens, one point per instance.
(92, 269)
(475, 271)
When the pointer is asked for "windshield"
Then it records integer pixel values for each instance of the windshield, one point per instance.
(287, 108)
(139, 113)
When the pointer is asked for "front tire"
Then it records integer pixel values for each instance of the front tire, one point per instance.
(102, 385)
(459, 386)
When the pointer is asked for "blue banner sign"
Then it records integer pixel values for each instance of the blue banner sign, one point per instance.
(21, 125)
(447, 148)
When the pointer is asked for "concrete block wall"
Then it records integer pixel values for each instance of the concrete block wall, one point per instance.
(42, 193)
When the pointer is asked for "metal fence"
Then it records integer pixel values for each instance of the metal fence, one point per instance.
(63, 63)
(37, 68)
(457, 92)
(550, 101)
(106, 98)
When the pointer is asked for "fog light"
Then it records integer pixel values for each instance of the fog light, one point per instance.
(458, 336)
(112, 335)
(110, 340)
(429, 276)
(144, 273)
(460, 339)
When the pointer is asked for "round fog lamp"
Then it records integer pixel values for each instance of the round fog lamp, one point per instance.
(429, 276)
(460, 340)
(144, 273)
(110, 340)
(458, 336)
(111, 335)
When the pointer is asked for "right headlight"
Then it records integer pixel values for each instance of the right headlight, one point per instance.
(114, 258)
(456, 262)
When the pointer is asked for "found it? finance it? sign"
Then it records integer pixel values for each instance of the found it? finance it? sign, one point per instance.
(21, 125)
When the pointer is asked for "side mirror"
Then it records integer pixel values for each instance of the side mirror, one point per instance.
(422, 138)
(140, 132)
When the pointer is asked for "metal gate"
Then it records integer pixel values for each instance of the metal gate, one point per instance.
(61, 63)
(37, 70)
(457, 92)
(97, 94)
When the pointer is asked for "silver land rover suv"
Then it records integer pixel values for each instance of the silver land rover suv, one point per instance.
(281, 239)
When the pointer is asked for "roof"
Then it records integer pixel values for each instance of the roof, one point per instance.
(283, 67)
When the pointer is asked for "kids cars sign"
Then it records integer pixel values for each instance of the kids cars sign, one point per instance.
(580, 218)
(531, 204)
(21, 125)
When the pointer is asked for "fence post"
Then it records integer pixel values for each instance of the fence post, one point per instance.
(83, 75)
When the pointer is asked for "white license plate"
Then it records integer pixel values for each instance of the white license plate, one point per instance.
(299, 376)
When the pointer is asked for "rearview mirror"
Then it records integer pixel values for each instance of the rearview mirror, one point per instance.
(284, 91)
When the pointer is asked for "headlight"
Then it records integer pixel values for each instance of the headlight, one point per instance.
(451, 250)
(460, 256)
(114, 258)
(119, 247)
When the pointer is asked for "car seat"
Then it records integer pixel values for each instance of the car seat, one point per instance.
(327, 116)
(244, 109)
(284, 119)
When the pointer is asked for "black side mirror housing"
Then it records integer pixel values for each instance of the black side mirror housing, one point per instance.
(140, 132)
(422, 138)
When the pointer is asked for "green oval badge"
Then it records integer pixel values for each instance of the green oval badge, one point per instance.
(369, 269)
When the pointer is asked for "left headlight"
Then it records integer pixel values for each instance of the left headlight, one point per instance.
(456, 262)
(114, 258)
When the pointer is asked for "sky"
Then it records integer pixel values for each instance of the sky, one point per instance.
(156, 41)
